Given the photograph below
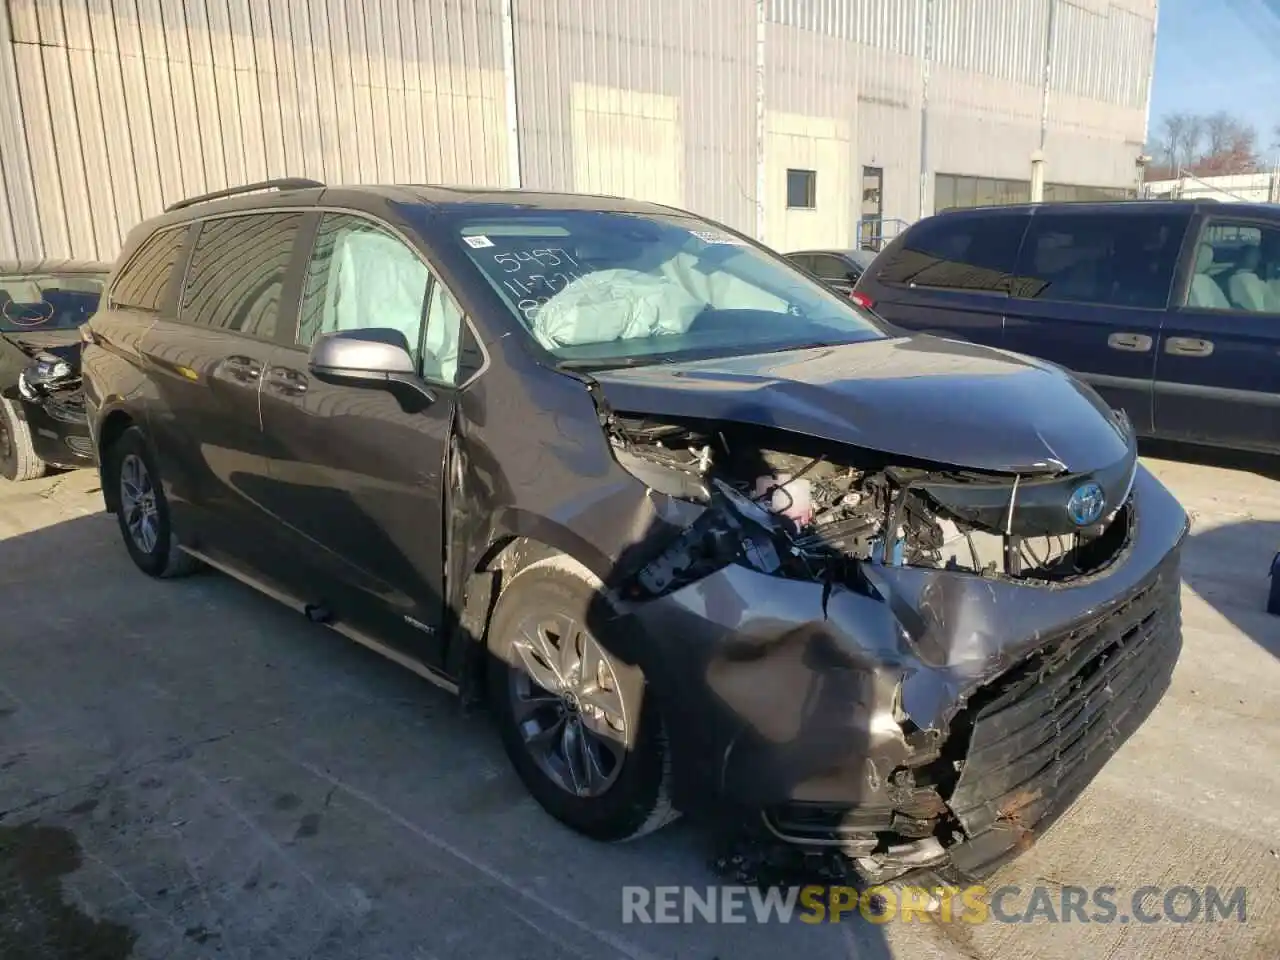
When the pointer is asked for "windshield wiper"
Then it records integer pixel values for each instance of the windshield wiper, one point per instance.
(612, 363)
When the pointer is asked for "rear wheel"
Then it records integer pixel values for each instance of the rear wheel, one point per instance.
(566, 709)
(143, 513)
(18, 460)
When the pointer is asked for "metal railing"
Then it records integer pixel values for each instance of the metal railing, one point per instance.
(874, 232)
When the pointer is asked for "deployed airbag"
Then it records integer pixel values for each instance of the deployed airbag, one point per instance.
(614, 305)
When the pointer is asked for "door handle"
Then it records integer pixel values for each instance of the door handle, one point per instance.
(286, 381)
(1188, 347)
(244, 369)
(1132, 342)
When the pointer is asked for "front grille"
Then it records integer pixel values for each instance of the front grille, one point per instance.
(1041, 732)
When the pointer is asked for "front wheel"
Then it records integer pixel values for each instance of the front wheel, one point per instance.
(143, 513)
(18, 460)
(566, 709)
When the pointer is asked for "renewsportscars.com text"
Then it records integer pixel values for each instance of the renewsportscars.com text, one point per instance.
(973, 904)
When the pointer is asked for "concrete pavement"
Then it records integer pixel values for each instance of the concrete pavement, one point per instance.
(189, 770)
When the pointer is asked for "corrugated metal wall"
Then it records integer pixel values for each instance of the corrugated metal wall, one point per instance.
(653, 99)
(111, 108)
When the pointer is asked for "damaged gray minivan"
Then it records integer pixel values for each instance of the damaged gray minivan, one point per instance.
(706, 536)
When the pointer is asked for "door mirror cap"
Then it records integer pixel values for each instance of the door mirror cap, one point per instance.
(376, 354)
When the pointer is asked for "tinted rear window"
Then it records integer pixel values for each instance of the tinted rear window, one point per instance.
(1117, 260)
(969, 252)
(237, 272)
(832, 268)
(144, 282)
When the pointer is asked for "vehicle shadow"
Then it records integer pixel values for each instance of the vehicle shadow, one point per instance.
(1258, 463)
(115, 687)
(1228, 565)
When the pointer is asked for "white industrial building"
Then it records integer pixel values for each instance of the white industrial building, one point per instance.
(792, 120)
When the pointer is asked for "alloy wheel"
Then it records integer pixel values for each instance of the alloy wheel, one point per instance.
(567, 705)
(138, 503)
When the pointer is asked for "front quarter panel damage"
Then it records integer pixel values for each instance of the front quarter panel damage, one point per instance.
(790, 680)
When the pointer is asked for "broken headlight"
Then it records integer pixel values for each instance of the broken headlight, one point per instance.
(732, 529)
(46, 372)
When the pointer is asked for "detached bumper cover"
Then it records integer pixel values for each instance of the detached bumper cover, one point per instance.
(959, 713)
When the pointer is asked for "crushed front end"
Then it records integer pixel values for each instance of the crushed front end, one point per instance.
(919, 665)
(53, 405)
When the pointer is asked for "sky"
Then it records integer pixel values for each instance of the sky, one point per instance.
(1219, 55)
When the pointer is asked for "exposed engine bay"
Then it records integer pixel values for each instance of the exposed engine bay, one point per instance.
(792, 505)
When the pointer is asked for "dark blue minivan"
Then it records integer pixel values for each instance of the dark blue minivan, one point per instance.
(1170, 310)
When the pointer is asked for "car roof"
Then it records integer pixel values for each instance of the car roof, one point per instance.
(11, 268)
(1263, 210)
(445, 198)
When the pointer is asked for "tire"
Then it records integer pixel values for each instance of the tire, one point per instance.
(127, 462)
(637, 798)
(18, 460)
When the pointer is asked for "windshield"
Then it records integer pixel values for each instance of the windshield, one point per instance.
(599, 288)
(47, 302)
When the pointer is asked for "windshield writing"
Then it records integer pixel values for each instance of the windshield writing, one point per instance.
(605, 287)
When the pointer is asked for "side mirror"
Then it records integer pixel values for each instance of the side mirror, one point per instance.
(375, 355)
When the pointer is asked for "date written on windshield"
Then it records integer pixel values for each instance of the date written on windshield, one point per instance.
(533, 289)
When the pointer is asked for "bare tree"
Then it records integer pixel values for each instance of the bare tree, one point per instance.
(1173, 128)
(1189, 151)
(1220, 130)
(1214, 145)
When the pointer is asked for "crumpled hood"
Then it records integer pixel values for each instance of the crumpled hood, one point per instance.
(920, 397)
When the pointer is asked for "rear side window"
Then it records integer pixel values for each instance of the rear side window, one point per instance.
(971, 253)
(144, 282)
(237, 272)
(1237, 268)
(831, 268)
(1115, 260)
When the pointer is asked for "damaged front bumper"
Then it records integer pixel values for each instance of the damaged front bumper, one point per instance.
(934, 719)
(52, 403)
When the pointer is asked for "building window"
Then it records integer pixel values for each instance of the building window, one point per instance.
(952, 190)
(802, 189)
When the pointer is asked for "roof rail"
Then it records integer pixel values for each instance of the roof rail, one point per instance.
(282, 183)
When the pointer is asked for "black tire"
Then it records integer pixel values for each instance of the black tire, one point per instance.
(18, 460)
(639, 800)
(165, 559)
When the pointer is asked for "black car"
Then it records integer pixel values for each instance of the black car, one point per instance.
(838, 269)
(1169, 309)
(707, 536)
(42, 420)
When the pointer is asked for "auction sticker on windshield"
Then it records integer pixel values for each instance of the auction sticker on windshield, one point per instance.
(708, 237)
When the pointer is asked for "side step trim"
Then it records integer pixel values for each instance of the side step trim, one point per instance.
(338, 627)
